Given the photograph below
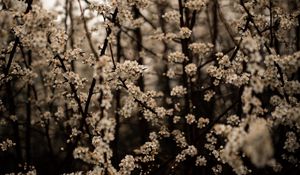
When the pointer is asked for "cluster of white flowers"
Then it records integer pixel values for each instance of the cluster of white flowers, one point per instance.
(106, 127)
(25, 74)
(233, 120)
(231, 75)
(196, 4)
(184, 32)
(127, 165)
(211, 141)
(161, 112)
(190, 119)
(46, 34)
(177, 57)
(73, 54)
(99, 156)
(163, 36)
(291, 143)
(172, 16)
(221, 129)
(217, 169)
(178, 91)
(201, 161)
(4, 145)
(100, 8)
(74, 133)
(191, 69)
(202, 122)
(288, 63)
(82, 153)
(129, 70)
(201, 48)
(176, 119)
(75, 79)
(179, 138)
(125, 16)
(285, 114)
(129, 107)
(140, 96)
(148, 151)
(223, 59)
(189, 151)
(208, 95)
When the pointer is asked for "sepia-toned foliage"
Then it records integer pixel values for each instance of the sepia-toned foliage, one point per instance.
(120, 87)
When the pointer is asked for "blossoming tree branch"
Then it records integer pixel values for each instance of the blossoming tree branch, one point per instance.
(154, 87)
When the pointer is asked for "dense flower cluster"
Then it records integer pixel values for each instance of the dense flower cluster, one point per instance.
(191, 69)
(176, 57)
(178, 91)
(172, 16)
(195, 4)
(6, 144)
